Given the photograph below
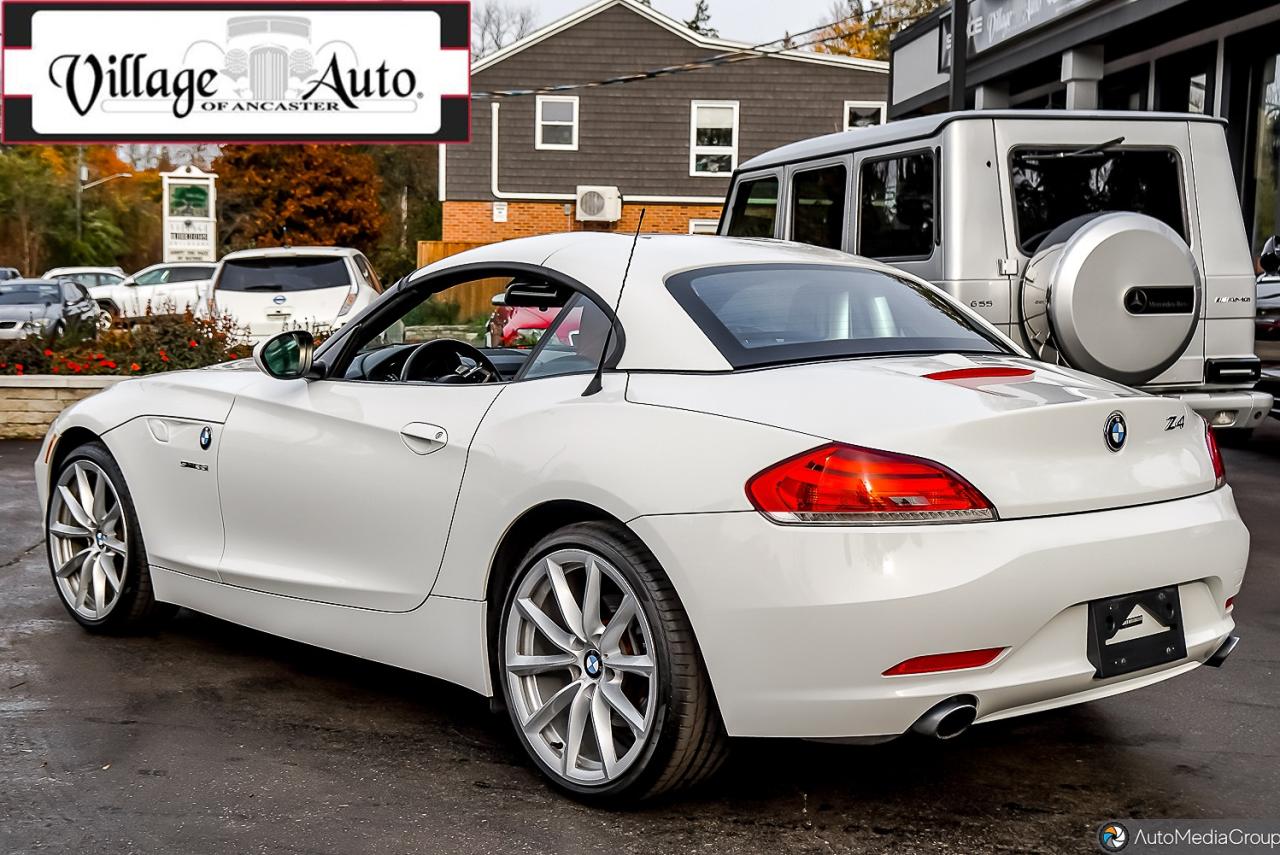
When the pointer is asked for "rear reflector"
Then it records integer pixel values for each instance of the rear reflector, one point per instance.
(840, 484)
(1215, 457)
(992, 372)
(945, 662)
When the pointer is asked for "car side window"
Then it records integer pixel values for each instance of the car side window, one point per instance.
(897, 206)
(151, 277)
(69, 292)
(574, 343)
(755, 208)
(366, 270)
(817, 206)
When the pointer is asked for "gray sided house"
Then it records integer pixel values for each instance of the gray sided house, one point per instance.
(592, 157)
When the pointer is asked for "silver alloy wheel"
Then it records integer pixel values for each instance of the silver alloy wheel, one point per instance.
(581, 668)
(88, 540)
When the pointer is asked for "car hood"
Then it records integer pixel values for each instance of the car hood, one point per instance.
(29, 311)
(1033, 440)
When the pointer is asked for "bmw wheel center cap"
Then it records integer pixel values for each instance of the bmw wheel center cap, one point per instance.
(1116, 431)
(592, 664)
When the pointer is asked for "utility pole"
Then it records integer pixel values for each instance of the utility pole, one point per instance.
(959, 52)
(80, 177)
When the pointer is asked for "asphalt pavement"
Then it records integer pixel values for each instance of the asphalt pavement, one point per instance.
(210, 738)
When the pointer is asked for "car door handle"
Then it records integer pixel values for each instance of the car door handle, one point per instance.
(422, 438)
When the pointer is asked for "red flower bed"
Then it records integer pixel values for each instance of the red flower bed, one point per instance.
(161, 343)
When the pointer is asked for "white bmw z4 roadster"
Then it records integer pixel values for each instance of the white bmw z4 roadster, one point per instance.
(736, 488)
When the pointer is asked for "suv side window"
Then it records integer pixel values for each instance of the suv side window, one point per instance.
(817, 206)
(897, 206)
(755, 208)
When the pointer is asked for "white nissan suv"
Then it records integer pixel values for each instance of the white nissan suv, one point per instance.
(316, 288)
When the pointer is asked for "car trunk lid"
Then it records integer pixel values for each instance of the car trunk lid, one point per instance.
(1030, 436)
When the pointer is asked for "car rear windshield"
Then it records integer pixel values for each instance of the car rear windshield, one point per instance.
(767, 314)
(1054, 185)
(284, 274)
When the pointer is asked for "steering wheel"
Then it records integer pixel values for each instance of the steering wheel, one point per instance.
(445, 360)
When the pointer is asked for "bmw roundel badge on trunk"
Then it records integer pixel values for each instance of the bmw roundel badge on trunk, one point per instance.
(1116, 431)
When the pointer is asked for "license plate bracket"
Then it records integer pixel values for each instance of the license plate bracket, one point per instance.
(1155, 614)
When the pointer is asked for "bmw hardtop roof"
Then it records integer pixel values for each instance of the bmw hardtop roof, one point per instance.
(922, 127)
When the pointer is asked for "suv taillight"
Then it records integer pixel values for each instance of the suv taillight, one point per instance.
(841, 484)
(352, 292)
(1215, 457)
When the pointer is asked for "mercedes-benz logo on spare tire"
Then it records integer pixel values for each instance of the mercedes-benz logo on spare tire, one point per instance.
(1116, 431)
(1135, 302)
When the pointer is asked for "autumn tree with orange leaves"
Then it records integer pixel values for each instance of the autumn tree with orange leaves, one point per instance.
(863, 27)
(298, 195)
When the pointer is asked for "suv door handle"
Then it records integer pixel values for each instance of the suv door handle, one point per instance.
(423, 438)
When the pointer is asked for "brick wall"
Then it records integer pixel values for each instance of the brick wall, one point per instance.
(28, 405)
(473, 221)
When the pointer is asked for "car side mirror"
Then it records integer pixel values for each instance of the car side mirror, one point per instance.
(498, 300)
(1269, 260)
(286, 355)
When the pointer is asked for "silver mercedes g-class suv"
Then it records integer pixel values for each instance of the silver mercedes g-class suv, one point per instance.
(1110, 242)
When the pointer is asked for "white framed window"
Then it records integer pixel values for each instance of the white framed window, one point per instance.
(713, 138)
(863, 114)
(556, 123)
(704, 227)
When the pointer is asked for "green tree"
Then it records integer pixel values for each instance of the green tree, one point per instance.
(29, 190)
(274, 195)
(412, 211)
(701, 20)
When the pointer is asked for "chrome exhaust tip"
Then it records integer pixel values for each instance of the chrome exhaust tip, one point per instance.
(948, 719)
(1224, 650)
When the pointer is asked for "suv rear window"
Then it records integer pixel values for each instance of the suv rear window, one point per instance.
(1054, 185)
(284, 274)
(762, 314)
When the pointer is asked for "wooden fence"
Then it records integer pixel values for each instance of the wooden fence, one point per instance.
(474, 299)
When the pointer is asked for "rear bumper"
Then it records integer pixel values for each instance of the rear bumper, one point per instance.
(1244, 409)
(797, 624)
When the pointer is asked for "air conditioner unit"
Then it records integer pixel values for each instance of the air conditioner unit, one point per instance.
(598, 204)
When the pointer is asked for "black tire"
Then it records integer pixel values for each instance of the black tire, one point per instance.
(687, 743)
(137, 609)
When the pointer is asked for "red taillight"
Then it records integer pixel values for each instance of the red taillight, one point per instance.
(990, 372)
(1215, 457)
(352, 292)
(945, 662)
(841, 484)
(1231, 604)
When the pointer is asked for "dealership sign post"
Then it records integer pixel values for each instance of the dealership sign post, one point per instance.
(190, 215)
(228, 71)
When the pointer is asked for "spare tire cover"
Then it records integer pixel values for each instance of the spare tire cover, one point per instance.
(1119, 299)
